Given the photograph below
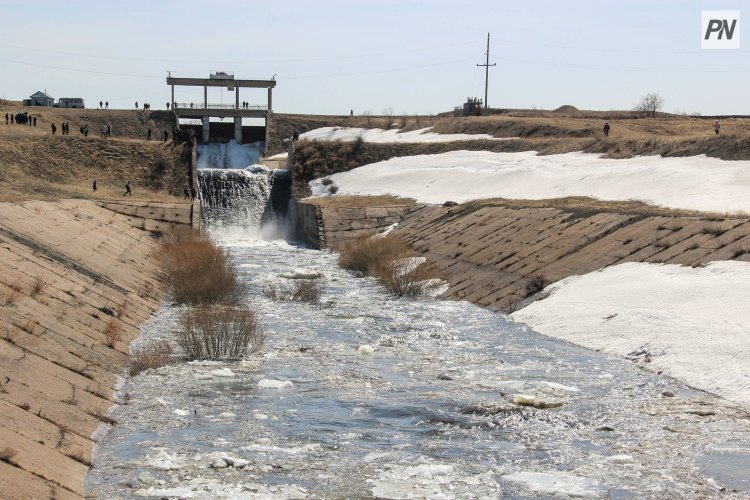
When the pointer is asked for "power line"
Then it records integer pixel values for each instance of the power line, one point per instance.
(487, 73)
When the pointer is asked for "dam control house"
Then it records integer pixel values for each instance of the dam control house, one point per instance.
(221, 132)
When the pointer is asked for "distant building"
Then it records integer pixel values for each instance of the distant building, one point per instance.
(39, 99)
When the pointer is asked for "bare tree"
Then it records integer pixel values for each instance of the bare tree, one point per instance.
(388, 113)
(368, 117)
(650, 104)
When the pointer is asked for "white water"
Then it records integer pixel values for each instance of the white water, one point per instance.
(373, 396)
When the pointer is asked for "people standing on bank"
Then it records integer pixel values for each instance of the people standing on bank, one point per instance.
(109, 130)
(93, 185)
(101, 105)
(717, 126)
(148, 135)
(106, 105)
(6, 118)
(35, 121)
(54, 128)
(606, 129)
(128, 191)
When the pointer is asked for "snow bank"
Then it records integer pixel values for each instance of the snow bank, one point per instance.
(388, 136)
(691, 323)
(697, 182)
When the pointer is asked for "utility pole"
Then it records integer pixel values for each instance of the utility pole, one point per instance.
(486, 73)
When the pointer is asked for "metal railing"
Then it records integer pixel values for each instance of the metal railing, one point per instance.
(200, 105)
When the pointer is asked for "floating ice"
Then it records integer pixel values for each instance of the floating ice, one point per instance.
(176, 492)
(180, 413)
(268, 383)
(556, 483)
(620, 459)
(365, 350)
(163, 460)
(302, 274)
(224, 372)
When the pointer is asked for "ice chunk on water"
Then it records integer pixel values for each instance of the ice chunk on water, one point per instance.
(365, 350)
(177, 492)
(180, 413)
(224, 372)
(268, 383)
(302, 274)
(556, 483)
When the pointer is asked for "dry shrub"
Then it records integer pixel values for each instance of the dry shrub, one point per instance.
(218, 332)
(301, 291)
(536, 283)
(38, 285)
(112, 333)
(367, 254)
(145, 289)
(405, 279)
(152, 356)
(199, 272)
(12, 296)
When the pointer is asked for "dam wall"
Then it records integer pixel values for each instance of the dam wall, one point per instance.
(78, 280)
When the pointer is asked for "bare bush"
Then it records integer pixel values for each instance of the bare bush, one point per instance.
(388, 114)
(112, 333)
(306, 291)
(405, 278)
(366, 254)
(145, 289)
(218, 332)
(12, 296)
(38, 285)
(198, 272)
(535, 283)
(152, 356)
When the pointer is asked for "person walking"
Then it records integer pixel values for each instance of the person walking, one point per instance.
(101, 105)
(106, 105)
(136, 104)
(148, 135)
(606, 129)
(128, 191)
(6, 118)
(35, 121)
(54, 128)
(93, 185)
(109, 130)
(717, 126)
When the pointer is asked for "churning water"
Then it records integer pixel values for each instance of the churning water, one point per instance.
(368, 395)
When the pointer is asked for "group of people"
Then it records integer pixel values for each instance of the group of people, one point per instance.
(164, 136)
(146, 106)
(104, 105)
(20, 118)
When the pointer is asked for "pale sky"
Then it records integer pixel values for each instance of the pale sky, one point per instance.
(330, 56)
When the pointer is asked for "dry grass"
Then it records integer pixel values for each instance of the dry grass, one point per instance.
(112, 333)
(218, 332)
(154, 355)
(535, 283)
(200, 273)
(349, 201)
(12, 296)
(367, 254)
(38, 285)
(7, 455)
(301, 291)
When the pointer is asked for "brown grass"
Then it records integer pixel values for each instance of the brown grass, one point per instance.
(112, 333)
(38, 285)
(200, 273)
(367, 254)
(300, 291)
(154, 355)
(218, 332)
(7, 455)
(12, 296)
(535, 283)
(349, 201)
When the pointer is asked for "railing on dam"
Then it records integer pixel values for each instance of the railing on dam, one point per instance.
(200, 105)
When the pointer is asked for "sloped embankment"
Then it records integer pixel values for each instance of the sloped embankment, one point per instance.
(76, 283)
(497, 256)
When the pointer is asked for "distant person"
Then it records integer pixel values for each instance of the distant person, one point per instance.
(167, 106)
(7, 117)
(606, 129)
(295, 135)
(35, 121)
(86, 130)
(106, 105)
(101, 105)
(109, 130)
(717, 127)
(166, 136)
(351, 112)
(93, 185)
(148, 135)
(128, 191)
(11, 119)
(186, 190)
(54, 128)
(136, 104)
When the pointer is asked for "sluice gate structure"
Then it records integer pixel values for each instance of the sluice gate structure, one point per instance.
(221, 132)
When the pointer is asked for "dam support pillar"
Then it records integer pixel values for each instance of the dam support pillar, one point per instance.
(205, 130)
(238, 129)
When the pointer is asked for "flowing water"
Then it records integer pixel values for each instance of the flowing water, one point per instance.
(367, 395)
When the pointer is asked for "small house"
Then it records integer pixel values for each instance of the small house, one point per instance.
(39, 99)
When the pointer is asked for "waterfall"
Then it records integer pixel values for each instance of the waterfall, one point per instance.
(252, 201)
